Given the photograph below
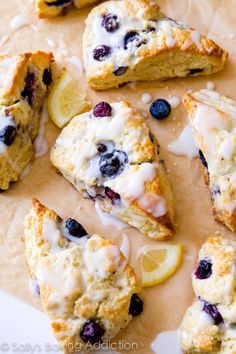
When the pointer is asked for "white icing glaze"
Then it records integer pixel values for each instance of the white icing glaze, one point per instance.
(109, 220)
(18, 22)
(166, 343)
(134, 188)
(185, 144)
(125, 246)
(5, 121)
(166, 27)
(196, 38)
(210, 85)
(104, 261)
(174, 101)
(146, 98)
(40, 143)
(51, 234)
(153, 204)
(227, 148)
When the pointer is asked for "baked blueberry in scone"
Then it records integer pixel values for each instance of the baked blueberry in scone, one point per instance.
(24, 80)
(109, 155)
(131, 40)
(209, 324)
(50, 8)
(213, 119)
(86, 286)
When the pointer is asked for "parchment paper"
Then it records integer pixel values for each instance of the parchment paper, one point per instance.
(164, 305)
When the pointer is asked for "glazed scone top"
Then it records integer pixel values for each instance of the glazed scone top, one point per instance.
(139, 30)
(125, 132)
(80, 278)
(214, 122)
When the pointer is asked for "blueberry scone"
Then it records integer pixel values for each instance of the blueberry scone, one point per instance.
(213, 119)
(131, 40)
(86, 286)
(50, 8)
(109, 155)
(24, 80)
(209, 324)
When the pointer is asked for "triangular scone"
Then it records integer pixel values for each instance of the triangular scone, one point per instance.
(110, 155)
(86, 286)
(208, 325)
(50, 8)
(213, 119)
(24, 80)
(130, 40)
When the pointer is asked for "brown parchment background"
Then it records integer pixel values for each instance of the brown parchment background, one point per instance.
(164, 304)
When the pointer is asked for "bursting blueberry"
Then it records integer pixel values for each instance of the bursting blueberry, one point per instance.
(92, 332)
(160, 109)
(112, 163)
(121, 70)
(110, 23)
(102, 109)
(101, 52)
(8, 134)
(204, 269)
(130, 37)
(213, 312)
(115, 197)
(202, 158)
(136, 305)
(75, 228)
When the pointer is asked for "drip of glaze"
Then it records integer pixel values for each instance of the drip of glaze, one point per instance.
(40, 143)
(166, 343)
(109, 220)
(18, 22)
(184, 145)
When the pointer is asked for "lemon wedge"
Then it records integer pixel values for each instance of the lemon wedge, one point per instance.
(66, 99)
(159, 262)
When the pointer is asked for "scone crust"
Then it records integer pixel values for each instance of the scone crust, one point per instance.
(130, 133)
(163, 51)
(221, 168)
(104, 297)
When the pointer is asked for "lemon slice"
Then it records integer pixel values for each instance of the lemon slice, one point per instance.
(159, 262)
(65, 100)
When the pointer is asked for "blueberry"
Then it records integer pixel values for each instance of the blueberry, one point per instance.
(102, 109)
(101, 52)
(115, 197)
(28, 91)
(120, 71)
(112, 163)
(75, 229)
(160, 109)
(202, 158)
(92, 332)
(8, 134)
(149, 29)
(213, 312)
(102, 148)
(195, 71)
(204, 269)
(110, 23)
(47, 77)
(136, 305)
(130, 37)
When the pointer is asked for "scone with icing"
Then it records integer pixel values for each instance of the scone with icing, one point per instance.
(24, 80)
(50, 8)
(213, 119)
(109, 155)
(86, 286)
(209, 324)
(131, 40)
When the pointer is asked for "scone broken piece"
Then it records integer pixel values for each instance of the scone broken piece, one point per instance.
(131, 40)
(86, 286)
(110, 155)
(50, 8)
(24, 80)
(209, 324)
(213, 118)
